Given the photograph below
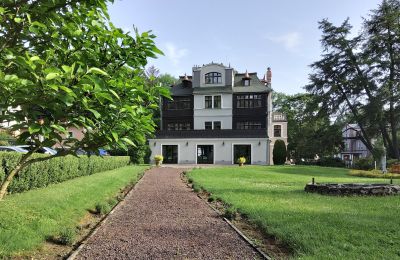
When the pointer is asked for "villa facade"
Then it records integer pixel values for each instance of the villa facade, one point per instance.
(217, 115)
(354, 148)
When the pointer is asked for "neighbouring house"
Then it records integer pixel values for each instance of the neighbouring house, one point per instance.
(217, 115)
(354, 148)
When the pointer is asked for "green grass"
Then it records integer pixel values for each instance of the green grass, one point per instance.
(27, 219)
(314, 226)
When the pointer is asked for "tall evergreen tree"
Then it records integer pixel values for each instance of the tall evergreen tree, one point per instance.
(360, 74)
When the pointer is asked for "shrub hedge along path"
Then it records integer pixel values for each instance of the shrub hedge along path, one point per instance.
(163, 219)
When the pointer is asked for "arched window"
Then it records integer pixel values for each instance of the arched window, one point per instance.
(213, 78)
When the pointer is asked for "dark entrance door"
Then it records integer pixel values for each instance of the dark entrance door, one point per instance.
(170, 154)
(240, 150)
(205, 154)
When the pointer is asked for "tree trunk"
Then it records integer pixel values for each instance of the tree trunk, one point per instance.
(7, 181)
(21, 165)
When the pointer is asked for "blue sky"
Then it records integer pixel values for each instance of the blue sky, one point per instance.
(252, 35)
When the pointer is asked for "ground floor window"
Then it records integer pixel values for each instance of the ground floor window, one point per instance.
(205, 154)
(242, 150)
(170, 154)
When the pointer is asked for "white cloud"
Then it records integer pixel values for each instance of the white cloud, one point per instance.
(174, 54)
(289, 40)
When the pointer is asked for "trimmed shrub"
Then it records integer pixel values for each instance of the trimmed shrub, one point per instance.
(279, 152)
(103, 208)
(67, 236)
(230, 213)
(55, 170)
(364, 164)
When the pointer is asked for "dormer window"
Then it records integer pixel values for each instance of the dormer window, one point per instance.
(246, 79)
(213, 78)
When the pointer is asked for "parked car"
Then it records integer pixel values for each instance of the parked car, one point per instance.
(12, 149)
(101, 152)
(45, 150)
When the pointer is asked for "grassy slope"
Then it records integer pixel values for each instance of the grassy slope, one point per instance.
(315, 226)
(26, 219)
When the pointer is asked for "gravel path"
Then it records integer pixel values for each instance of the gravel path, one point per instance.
(163, 219)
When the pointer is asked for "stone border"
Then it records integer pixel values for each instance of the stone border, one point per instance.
(356, 189)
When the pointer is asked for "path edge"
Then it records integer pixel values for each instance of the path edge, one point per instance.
(74, 253)
(236, 229)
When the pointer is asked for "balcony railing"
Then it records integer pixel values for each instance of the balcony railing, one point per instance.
(222, 133)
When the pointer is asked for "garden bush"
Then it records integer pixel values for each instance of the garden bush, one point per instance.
(364, 164)
(139, 155)
(55, 170)
(279, 152)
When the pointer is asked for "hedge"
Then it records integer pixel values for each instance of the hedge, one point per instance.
(55, 170)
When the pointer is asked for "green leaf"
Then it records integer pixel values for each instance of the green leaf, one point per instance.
(34, 58)
(67, 69)
(115, 135)
(59, 128)
(34, 128)
(95, 113)
(114, 93)
(17, 20)
(128, 141)
(52, 75)
(97, 71)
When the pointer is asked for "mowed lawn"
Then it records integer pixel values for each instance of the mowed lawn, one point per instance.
(26, 219)
(314, 226)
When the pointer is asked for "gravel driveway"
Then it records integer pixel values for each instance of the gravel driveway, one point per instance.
(163, 219)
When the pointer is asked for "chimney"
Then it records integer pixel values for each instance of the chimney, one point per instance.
(269, 76)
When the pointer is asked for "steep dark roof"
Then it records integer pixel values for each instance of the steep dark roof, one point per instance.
(182, 88)
(255, 84)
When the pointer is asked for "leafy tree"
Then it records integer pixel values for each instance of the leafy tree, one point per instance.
(64, 64)
(279, 152)
(310, 130)
(361, 74)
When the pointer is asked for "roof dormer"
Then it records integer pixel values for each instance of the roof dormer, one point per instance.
(246, 79)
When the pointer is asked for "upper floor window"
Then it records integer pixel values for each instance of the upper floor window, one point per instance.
(248, 125)
(217, 125)
(179, 103)
(212, 101)
(277, 130)
(246, 82)
(217, 101)
(213, 78)
(178, 126)
(208, 101)
(208, 125)
(248, 101)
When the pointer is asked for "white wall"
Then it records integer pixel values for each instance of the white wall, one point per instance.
(223, 114)
(223, 149)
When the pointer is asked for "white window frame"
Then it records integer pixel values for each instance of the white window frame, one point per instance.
(212, 101)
